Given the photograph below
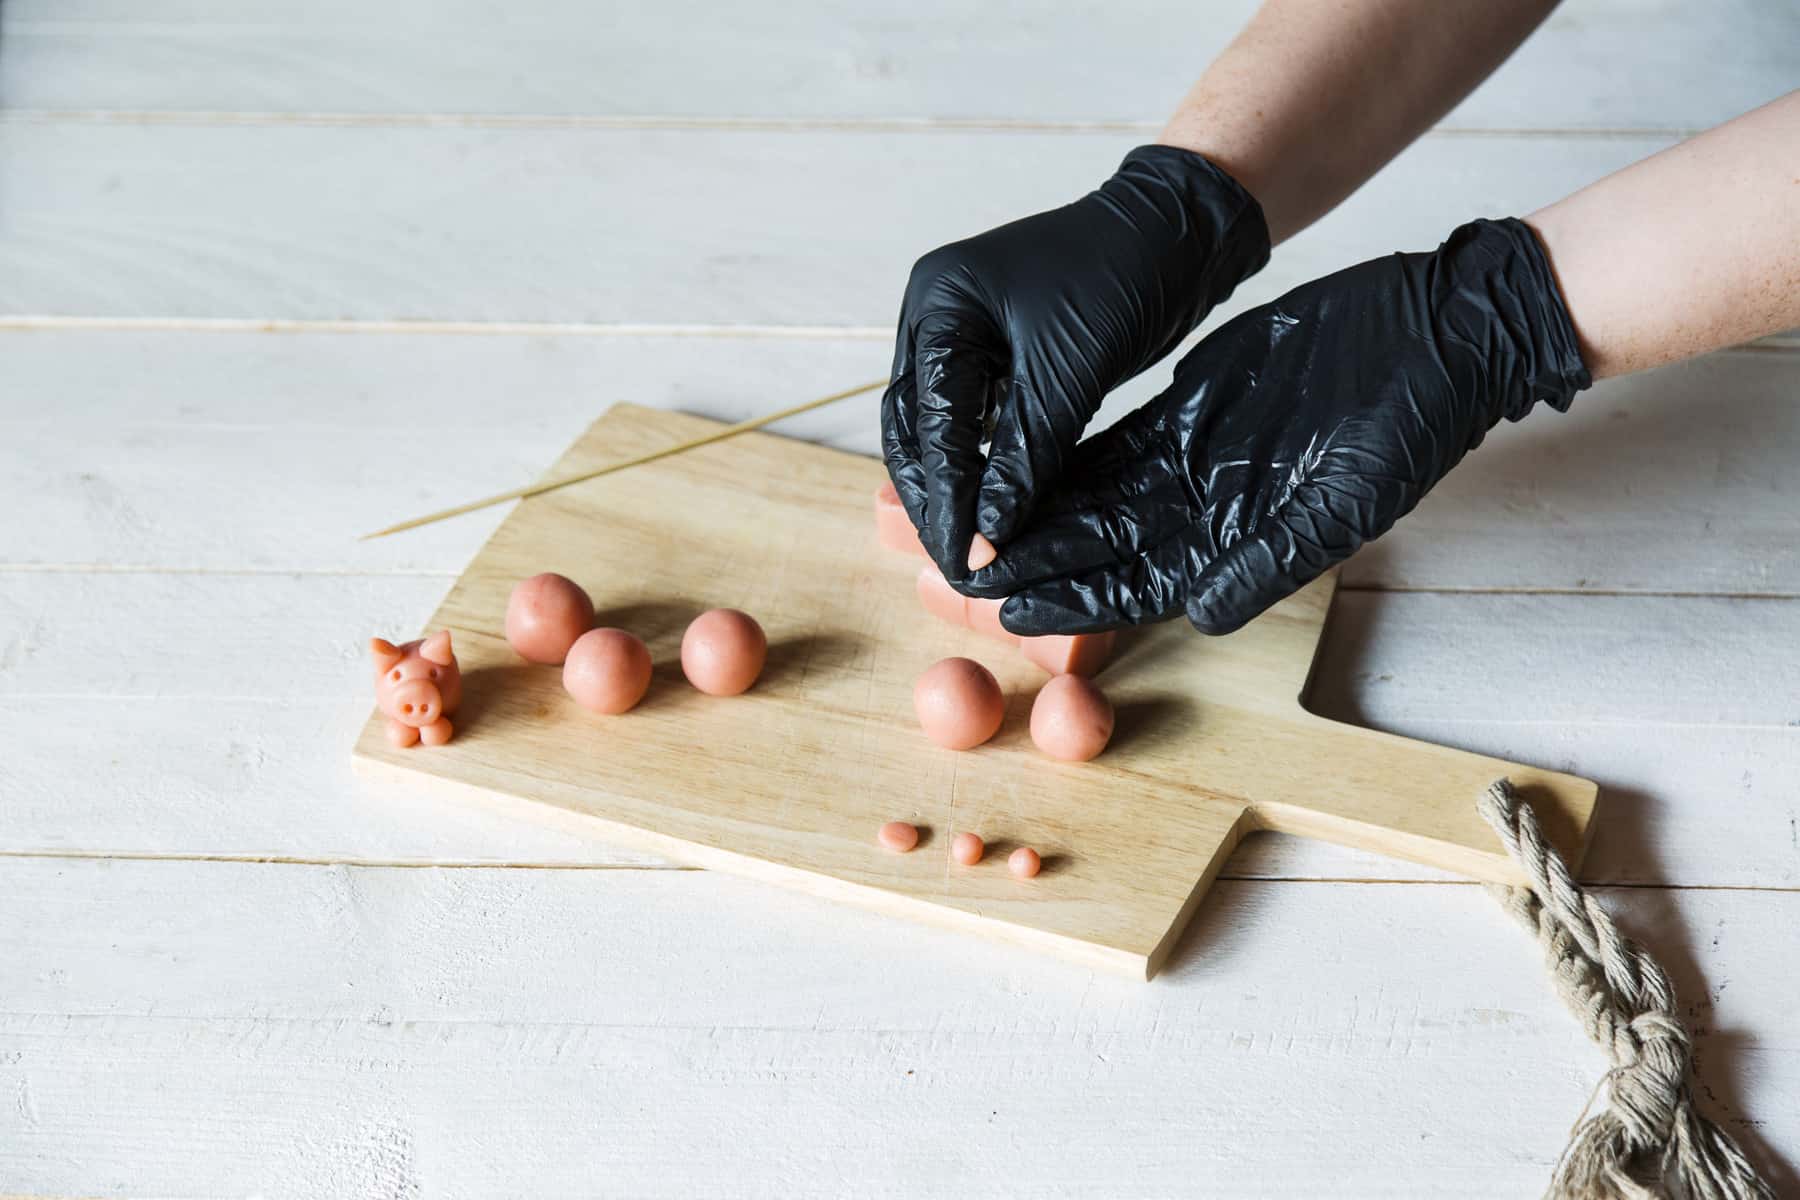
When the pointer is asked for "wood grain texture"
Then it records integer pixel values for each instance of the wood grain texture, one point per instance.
(789, 782)
(473, 224)
(907, 59)
(228, 1029)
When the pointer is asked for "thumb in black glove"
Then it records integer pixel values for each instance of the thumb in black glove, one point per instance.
(1292, 435)
(1023, 330)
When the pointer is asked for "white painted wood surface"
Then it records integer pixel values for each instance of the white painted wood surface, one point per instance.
(452, 1032)
(701, 226)
(1645, 485)
(224, 317)
(1603, 64)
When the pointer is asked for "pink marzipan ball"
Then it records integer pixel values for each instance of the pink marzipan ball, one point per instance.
(898, 836)
(723, 651)
(607, 670)
(1071, 719)
(967, 848)
(544, 616)
(959, 703)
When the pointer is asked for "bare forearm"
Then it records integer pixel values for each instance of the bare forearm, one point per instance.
(1687, 251)
(1315, 95)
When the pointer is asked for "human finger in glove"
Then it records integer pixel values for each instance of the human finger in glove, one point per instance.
(1292, 435)
(1020, 332)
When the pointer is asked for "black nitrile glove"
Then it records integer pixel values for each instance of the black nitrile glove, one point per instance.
(1023, 330)
(1292, 435)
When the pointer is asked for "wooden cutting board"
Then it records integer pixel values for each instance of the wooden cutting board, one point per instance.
(790, 781)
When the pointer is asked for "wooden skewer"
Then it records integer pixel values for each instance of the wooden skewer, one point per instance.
(550, 486)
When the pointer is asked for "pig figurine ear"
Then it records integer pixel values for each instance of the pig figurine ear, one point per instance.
(385, 653)
(436, 648)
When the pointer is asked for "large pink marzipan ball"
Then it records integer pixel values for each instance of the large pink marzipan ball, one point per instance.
(544, 616)
(1071, 719)
(959, 703)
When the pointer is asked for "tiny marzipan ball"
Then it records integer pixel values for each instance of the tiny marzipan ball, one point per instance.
(897, 836)
(607, 671)
(959, 703)
(544, 616)
(722, 651)
(967, 849)
(1071, 719)
(1024, 862)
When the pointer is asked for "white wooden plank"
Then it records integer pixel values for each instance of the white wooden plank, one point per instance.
(1651, 660)
(240, 779)
(395, 385)
(1685, 711)
(614, 225)
(226, 704)
(1674, 796)
(1596, 63)
(471, 1032)
(169, 638)
(1679, 480)
(131, 445)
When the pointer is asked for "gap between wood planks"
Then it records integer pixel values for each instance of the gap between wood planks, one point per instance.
(1446, 722)
(404, 864)
(726, 124)
(1779, 343)
(46, 322)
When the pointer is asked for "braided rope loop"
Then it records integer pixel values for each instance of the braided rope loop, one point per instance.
(1648, 1142)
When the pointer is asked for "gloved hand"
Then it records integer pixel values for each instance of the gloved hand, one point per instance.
(1021, 332)
(1292, 435)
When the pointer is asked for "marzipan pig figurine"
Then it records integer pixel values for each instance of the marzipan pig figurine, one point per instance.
(418, 686)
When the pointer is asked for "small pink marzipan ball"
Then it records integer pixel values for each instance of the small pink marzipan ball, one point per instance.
(898, 836)
(967, 849)
(1024, 862)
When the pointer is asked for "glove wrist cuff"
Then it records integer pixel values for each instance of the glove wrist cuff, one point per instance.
(1563, 369)
(1495, 275)
(1223, 221)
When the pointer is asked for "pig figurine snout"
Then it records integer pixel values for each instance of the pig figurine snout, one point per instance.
(417, 686)
(418, 703)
